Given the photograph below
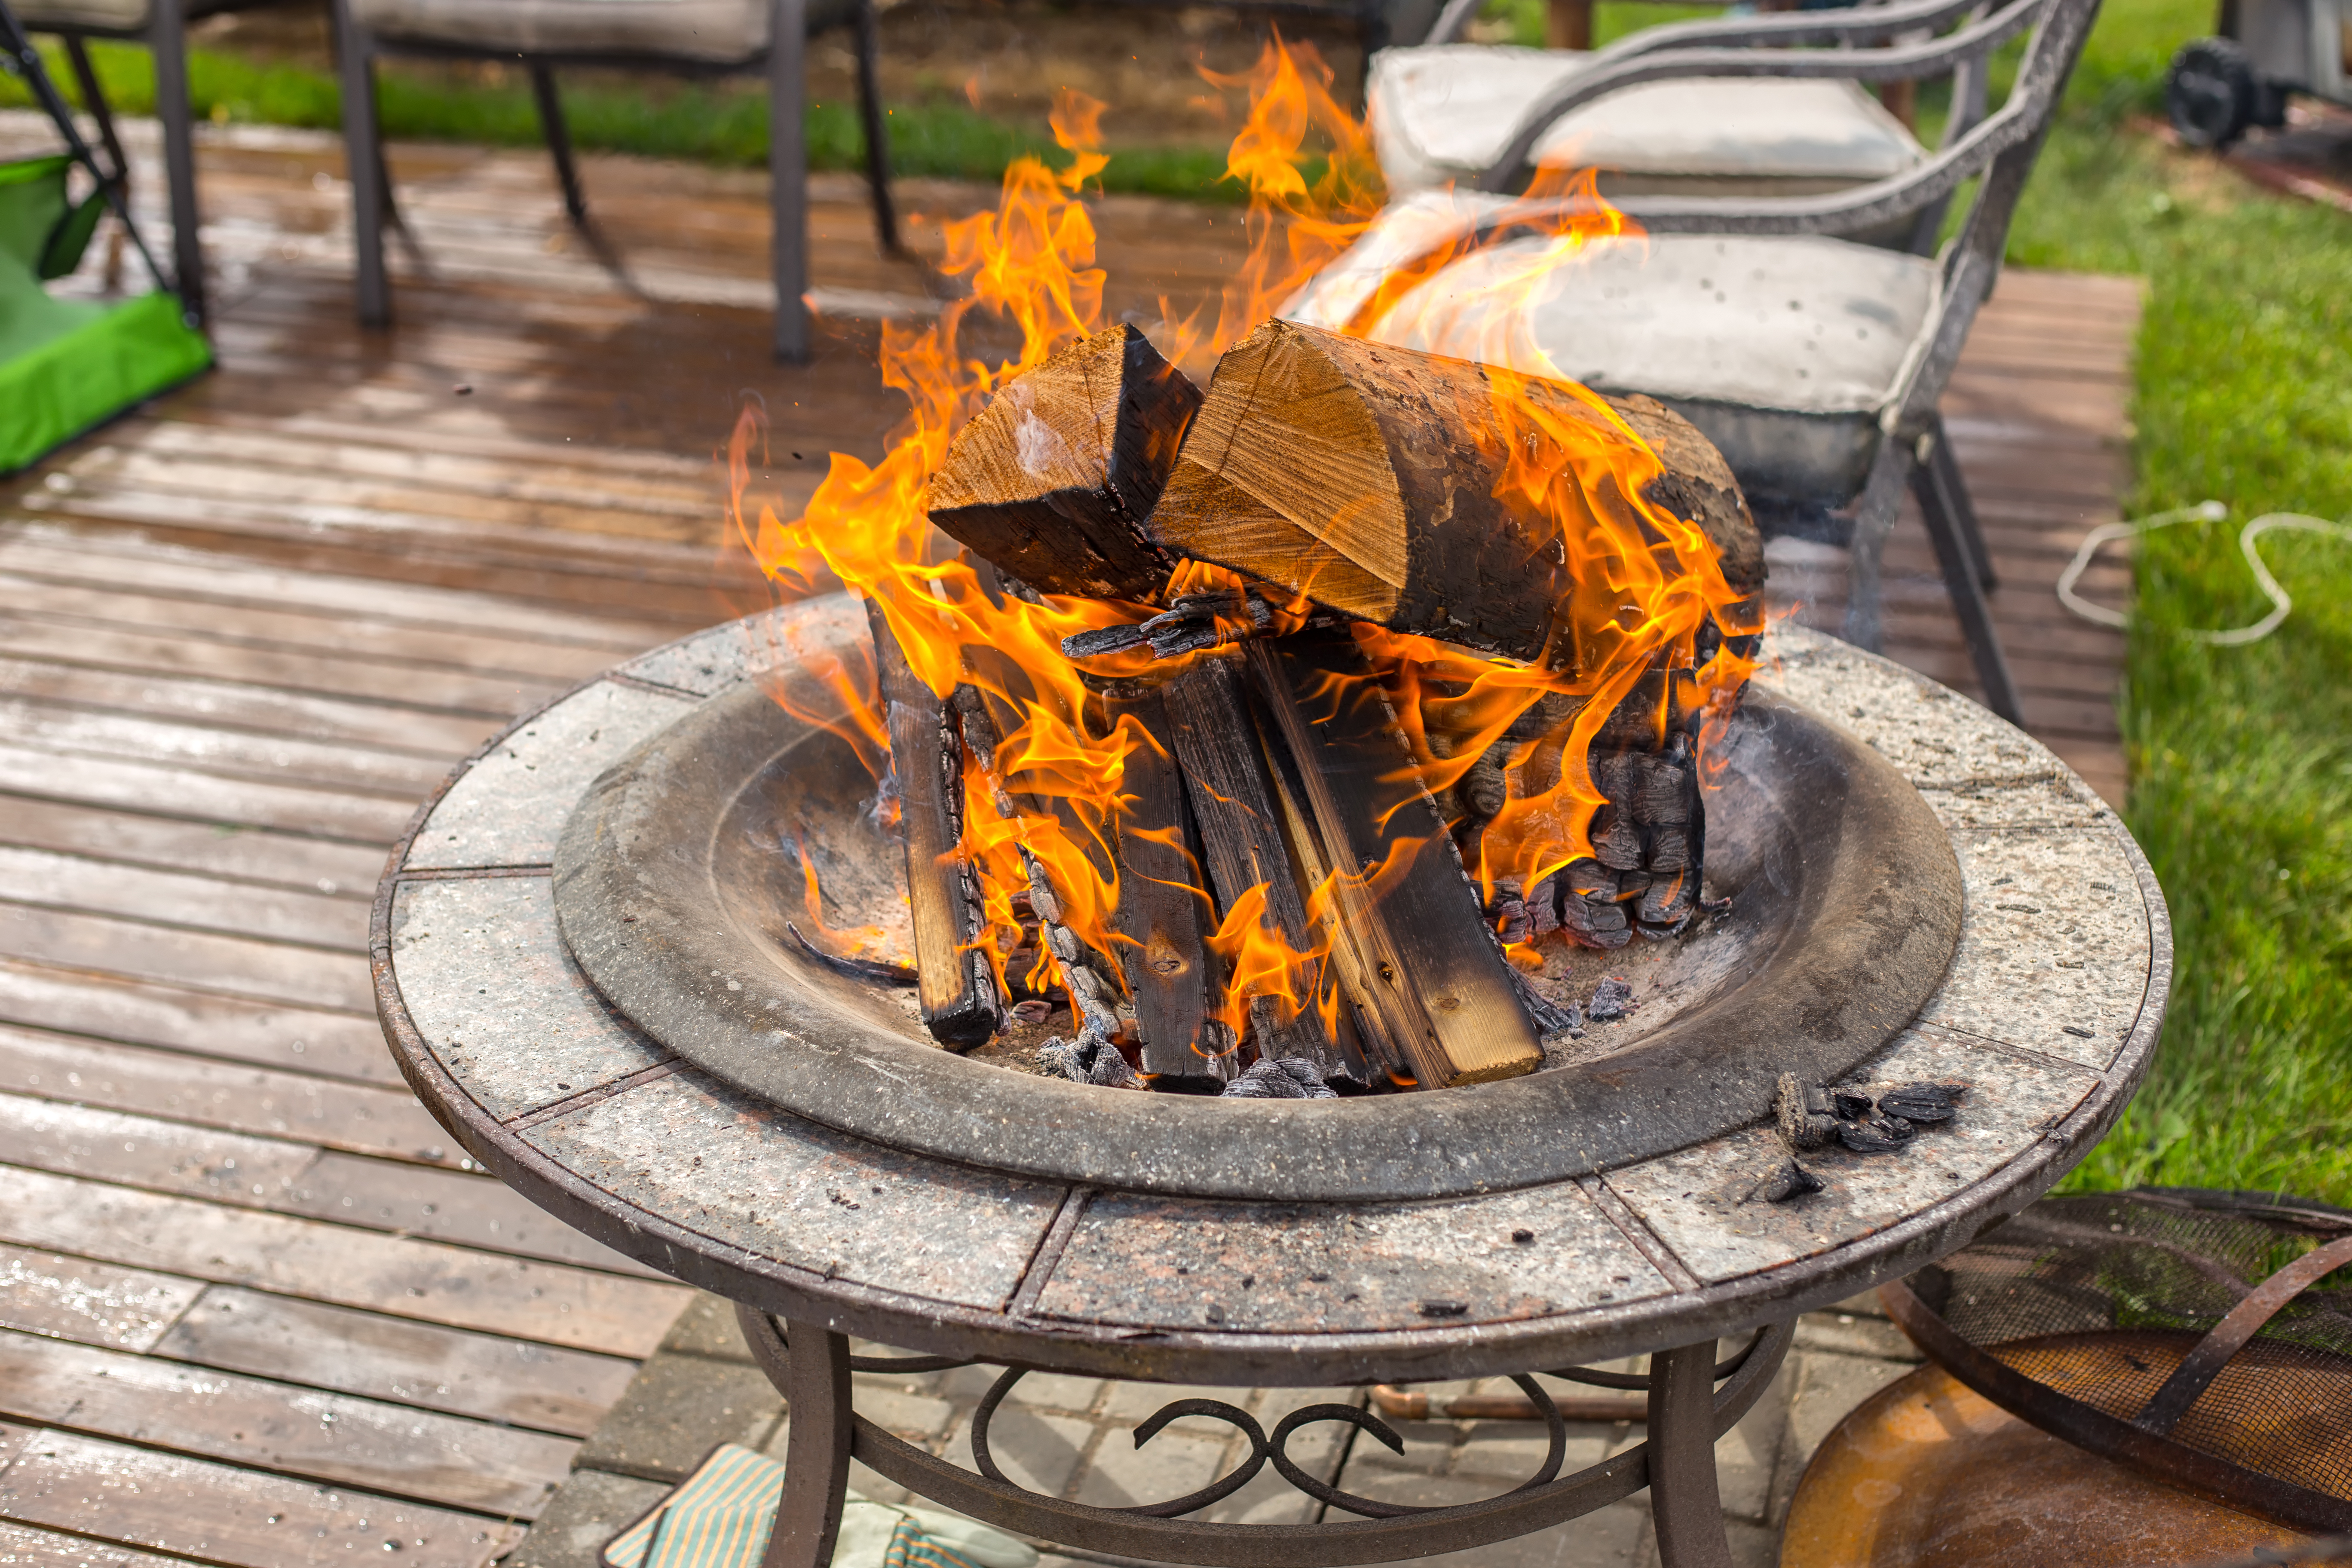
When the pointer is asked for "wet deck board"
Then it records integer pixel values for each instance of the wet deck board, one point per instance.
(243, 630)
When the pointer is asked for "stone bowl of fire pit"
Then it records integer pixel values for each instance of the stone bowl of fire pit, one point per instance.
(679, 872)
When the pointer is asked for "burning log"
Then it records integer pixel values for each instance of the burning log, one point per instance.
(1164, 910)
(1214, 739)
(954, 985)
(1380, 482)
(1437, 979)
(1053, 479)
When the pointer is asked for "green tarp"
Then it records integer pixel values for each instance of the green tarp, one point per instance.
(67, 364)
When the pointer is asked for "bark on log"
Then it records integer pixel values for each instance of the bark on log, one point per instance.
(1053, 479)
(954, 985)
(1441, 988)
(1365, 477)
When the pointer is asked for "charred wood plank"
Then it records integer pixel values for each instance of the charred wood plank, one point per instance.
(1438, 980)
(1216, 743)
(1053, 479)
(953, 982)
(1372, 479)
(1163, 910)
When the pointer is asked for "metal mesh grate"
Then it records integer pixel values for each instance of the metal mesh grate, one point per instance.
(2100, 1298)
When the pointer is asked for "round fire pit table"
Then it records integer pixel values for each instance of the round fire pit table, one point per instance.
(2050, 1011)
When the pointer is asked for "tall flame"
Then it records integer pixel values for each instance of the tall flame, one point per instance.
(1649, 579)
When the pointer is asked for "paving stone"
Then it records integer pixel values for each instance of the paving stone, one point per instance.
(677, 1409)
(1747, 1457)
(1036, 1451)
(1843, 1333)
(1608, 1538)
(914, 1416)
(593, 1507)
(1121, 1475)
(1139, 1401)
(707, 1328)
(509, 808)
(1316, 1447)
(1428, 1449)
(1511, 1452)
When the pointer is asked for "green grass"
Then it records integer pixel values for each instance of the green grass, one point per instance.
(2242, 758)
(724, 124)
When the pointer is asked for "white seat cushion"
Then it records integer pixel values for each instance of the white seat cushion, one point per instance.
(1784, 349)
(721, 31)
(103, 15)
(1443, 113)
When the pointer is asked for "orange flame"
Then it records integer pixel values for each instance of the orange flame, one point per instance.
(1647, 580)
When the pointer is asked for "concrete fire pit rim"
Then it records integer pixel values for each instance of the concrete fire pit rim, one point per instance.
(1885, 907)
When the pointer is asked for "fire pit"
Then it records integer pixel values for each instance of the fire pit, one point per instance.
(1412, 1265)
(679, 881)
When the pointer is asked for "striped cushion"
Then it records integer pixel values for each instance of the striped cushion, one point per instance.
(721, 1517)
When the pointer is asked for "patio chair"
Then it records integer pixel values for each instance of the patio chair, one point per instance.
(1814, 361)
(1446, 112)
(685, 36)
(161, 25)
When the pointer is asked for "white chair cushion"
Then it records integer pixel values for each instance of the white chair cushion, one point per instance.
(103, 15)
(1443, 113)
(1783, 348)
(721, 31)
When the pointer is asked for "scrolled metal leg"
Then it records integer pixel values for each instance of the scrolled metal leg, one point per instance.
(1683, 1501)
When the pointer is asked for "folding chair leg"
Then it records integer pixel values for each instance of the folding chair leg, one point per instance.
(552, 125)
(1964, 509)
(1874, 513)
(1964, 579)
(93, 99)
(167, 41)
(788, 177)
(877, 134)
(363, 163)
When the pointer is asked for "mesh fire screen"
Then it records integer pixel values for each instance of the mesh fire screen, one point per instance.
(2203, 1336)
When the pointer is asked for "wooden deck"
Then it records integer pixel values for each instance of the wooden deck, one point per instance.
(255, 1307)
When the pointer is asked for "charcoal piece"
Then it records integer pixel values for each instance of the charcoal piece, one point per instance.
(1543, 906)
(1802, 1110)
(1669, 849)
(1551, 1018)
(1878, 1135)
(1483, 789)
(1663, 797)
(1279, 1078)
(1035, 1010)
(1851, 1105)
(1509, 911)
(1666, 905)
(1612, 998)
(1618, 843)
(1089, 1060)
(1918, 1102)
(1785, 1180)
(867, 969)
(1588, 877)
(1102, 640)
(1594, 922)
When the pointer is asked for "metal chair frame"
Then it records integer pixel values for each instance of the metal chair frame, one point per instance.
(165, 36)
(784, 62)
(1997, 148)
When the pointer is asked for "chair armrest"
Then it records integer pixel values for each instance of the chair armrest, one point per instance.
(1863, 25)
(1902, 62)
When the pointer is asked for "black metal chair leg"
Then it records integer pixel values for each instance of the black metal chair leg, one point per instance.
(167, 42)
(558, 132)
(1964, 508)
(788, 176)
(93, 99)
(1962, 579)
(877, 134)
(363, 163)
(1686, 1504)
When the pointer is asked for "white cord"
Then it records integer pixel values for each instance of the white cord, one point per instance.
(2204, 511)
